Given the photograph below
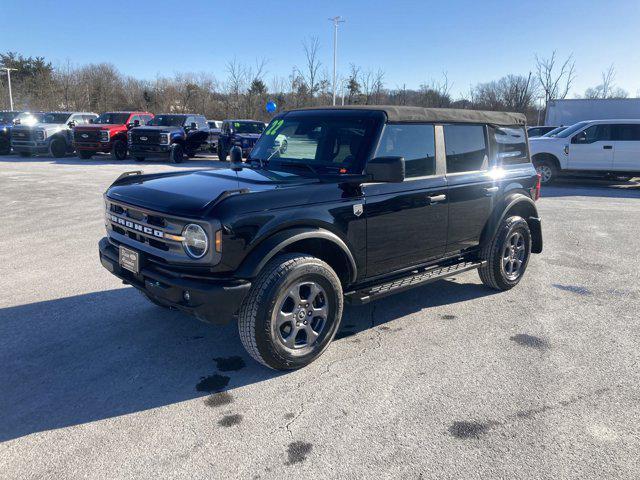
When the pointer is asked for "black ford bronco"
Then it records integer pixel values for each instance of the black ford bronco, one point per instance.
(363, 202)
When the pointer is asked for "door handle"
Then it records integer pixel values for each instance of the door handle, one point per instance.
(607, 147)
(491, 190)
(437, 198)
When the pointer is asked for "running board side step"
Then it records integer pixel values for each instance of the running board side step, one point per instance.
(420, 277)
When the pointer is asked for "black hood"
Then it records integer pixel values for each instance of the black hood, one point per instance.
(155, 128)
(192, 193)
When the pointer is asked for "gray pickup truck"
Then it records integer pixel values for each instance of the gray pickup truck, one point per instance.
(53, 135)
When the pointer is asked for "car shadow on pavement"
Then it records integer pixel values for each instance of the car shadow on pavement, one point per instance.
(90, 357)
(591, 188)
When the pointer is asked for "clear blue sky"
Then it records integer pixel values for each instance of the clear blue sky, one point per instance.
(412, 41)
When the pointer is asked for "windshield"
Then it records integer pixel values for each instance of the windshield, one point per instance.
(7, 117)
(326, 143)
(26, 118)
(56, 117)
(571, 130)
(248, 127)
(554, 132)
(112, 119)
(167, 121)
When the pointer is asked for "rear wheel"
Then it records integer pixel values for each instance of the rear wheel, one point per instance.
(119, 150)
(58, 148)
(177, 153)
(292, 312)
(85, 155)
(507, 255)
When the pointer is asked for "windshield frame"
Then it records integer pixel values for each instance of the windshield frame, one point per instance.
(236, 123)
(373, 122)
(8, 117)
(555, 132)
(125, 115)
(57, 117)
(154, 121)
(575, 128)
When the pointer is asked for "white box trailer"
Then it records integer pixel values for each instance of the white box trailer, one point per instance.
(568, 112)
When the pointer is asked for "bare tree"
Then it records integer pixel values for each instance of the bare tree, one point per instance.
(312, 68)
(608, 88)
(555, 81)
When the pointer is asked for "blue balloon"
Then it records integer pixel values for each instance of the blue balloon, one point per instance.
(271, 107)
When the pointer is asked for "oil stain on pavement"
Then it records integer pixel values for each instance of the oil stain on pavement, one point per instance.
(230, 420)
(573, 289)
(212, 383)
(219, 400)
(532, 341)
(464, 430)
(298, 451)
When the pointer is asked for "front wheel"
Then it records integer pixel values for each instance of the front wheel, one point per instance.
(58, 148)
(177, 153)
(506, 255)
(292, 312)
(119, 150)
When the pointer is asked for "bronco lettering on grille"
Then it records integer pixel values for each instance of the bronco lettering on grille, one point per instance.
(136, 226)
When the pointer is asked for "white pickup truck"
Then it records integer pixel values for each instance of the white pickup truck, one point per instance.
(595, 147)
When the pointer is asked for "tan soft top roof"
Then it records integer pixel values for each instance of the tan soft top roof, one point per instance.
(397, 113)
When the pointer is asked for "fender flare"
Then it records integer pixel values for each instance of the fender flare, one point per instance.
(500, 212)
(272, 245)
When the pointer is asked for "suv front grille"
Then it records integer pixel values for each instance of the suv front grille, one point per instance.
(145, 137)
(86, 136)
(25, 135)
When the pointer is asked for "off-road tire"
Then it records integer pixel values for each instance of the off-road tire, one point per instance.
(255, 314)
(83, 154)
(58, 148)
(176, 154)
(492, 273)
(119, 150)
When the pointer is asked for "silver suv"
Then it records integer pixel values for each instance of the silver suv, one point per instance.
(53, 135)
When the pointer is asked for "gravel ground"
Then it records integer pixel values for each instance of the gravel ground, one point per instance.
(450, 380)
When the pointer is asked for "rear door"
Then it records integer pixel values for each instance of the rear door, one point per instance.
(471, 187)
(592, 149)
(406, 222)
(626, 147)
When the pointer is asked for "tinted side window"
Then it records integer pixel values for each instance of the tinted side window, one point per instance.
(511, 145)
(596, 133)
(627, 132)
(413, 142)
(465, 147)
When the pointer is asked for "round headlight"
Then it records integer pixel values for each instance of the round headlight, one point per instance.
(195, 241)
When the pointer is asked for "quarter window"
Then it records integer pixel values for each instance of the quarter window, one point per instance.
(626, 132)
(414, 142)
(465, 147)
(511, 144)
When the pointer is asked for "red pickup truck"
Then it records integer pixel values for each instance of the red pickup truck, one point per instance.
(107, 134)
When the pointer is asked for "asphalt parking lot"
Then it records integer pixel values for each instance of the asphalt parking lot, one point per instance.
(450, 380)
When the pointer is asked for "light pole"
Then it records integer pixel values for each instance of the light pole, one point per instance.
(9, 81)
(336, 21)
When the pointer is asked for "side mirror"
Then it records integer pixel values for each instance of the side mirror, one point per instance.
(386, 169)
(16, 121)
(194, 126)
(236, 158)
(91, 120)
(580, 138)
(71, 124)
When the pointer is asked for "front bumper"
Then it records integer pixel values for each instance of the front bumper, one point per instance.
(104, 147)
(211, 300)
(136, 150)
(30, 146)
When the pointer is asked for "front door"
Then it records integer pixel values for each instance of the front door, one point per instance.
(592, 149)
(406, 222)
